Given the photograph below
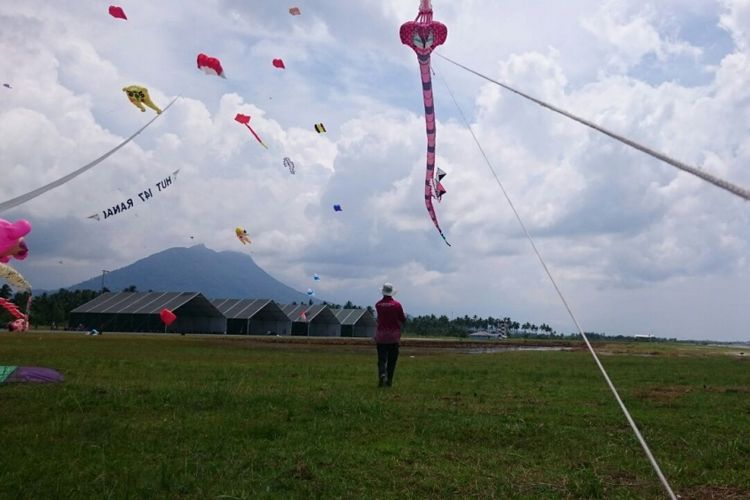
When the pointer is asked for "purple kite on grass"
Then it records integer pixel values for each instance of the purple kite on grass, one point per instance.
(34, 374)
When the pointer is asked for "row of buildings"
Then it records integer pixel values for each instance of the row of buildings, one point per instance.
(139, 312)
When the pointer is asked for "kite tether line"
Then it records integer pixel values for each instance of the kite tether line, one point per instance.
(20, 200)
(716, 181)
(612, 388)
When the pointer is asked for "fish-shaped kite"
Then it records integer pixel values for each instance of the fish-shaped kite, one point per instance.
(423, 35)
(139, 96)
(245, 120)
(210, 65)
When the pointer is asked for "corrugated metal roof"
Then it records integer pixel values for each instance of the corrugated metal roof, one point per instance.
(352, 316)
(294, 312)
(239, 308)
(136, 303)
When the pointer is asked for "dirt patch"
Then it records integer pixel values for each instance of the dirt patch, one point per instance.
(728, 390)
(663, 394)
(367, 343)
(710, 492)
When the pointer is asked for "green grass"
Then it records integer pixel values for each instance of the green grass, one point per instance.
(197, 417)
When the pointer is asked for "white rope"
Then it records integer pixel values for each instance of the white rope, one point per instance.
(716, 181)
(20, 200)
(624, 409)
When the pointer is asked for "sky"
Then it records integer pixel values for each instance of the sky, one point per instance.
(636, 246)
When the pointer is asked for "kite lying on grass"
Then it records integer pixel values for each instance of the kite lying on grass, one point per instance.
(139, 96)
(423, 35)
(34, 374)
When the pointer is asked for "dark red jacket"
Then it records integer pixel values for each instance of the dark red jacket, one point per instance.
(390, 319)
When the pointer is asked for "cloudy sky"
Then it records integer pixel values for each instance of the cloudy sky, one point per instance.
(637, 246)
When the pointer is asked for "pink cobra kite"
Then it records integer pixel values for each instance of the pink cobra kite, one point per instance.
(423, 35)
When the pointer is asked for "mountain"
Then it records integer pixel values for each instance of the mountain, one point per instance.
(198, 269)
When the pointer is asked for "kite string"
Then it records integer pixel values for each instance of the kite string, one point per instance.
(21, 199)
(624, 409)
(701, 174)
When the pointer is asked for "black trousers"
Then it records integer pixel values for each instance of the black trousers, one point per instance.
(387, 357)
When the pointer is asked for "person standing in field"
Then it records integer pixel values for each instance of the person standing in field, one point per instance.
(391, 318)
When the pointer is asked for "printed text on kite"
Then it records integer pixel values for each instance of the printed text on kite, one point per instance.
(143, 196)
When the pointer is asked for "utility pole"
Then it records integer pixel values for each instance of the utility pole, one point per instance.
(104, 271)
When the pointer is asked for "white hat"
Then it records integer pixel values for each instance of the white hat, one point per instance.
(388, 289)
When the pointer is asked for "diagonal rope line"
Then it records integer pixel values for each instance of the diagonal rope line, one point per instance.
(20, 200)
(716, 181)
(624, 409)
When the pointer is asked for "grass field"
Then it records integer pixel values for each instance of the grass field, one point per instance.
(202, 417)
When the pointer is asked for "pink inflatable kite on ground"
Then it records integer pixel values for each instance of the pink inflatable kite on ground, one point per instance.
(20, 321)
(11, 239)
(117, 12)
(210, 65)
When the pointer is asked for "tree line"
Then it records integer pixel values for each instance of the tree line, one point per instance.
(53, 309)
